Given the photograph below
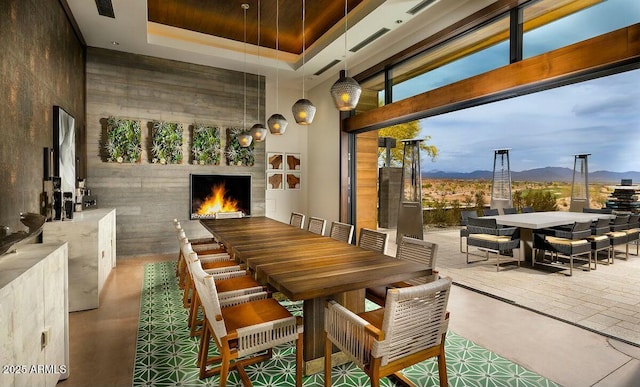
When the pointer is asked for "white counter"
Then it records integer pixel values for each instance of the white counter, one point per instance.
(91, 235)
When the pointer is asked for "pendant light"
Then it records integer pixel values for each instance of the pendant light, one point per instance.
(303, 110)
(245, 138)
(277, 123)
(346, 91)
(258, 131)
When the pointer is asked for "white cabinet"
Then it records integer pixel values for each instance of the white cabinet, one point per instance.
(91, 235)
(34, 316)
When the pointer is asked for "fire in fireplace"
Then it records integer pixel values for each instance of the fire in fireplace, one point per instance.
(211, 194)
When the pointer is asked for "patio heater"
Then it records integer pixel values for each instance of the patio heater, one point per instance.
(580, 184)
(410, 210)
(501, 183)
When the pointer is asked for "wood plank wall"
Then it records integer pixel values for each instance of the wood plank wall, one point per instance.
(148, 196)
(366, 181)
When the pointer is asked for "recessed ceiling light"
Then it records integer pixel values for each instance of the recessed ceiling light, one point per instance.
(399, 21)
(115, 43)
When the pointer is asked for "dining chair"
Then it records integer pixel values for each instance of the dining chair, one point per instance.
(410, 328)
(373, 240)
(568, 241)
(527, 210)
(633, 232)
(486, 234)
(342, 232)
(250, 328)
(317, 225)
(413, 250)
(210, 245)
(617, 234)
(218, 266)
(599, 240)
(233, 288)
(509, 211)
(464, 233)
(490, 212)
(297, 220)
(206, 255)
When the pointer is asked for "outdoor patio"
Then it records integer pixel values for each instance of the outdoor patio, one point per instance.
(606, 300)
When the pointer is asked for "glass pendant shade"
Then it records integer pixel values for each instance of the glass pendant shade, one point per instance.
(346, 93)
(258, 132)
(303, 111)
(277, 124)
(245, 139)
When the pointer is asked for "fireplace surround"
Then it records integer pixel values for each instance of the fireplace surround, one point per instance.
(210, 194)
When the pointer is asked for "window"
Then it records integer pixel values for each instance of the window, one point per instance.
(476, 52)
(551, 24)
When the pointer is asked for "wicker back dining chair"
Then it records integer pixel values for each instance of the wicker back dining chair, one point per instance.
(297, 220)
(341, 231)
(317, 225)
(250, 328)
(409, 329)
(413, 250)
(373, 240)
(233, 287)
(464, 232)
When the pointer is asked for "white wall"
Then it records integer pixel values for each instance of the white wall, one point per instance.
(324, 156)
(319, 148)
(280, 203)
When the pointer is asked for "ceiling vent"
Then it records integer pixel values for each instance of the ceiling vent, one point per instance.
(420, 6)
(327, 67)
(105, 8)
(370, 39)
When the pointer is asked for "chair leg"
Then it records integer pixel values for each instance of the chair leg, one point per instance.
(442, 367)
(299, 360)
(327, 361)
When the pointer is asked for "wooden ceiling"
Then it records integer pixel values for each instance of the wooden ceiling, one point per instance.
(225, 18)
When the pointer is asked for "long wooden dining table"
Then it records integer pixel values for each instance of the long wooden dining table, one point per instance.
(309, 267)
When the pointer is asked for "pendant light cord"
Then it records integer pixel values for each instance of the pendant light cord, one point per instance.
(345, 36)
(244, 119)
(303, 45)
(258, 75)
(277, 53)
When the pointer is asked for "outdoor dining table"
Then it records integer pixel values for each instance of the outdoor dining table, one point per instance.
(527, 222)
(309, 267)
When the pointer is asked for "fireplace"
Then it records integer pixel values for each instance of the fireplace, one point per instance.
(211, 194)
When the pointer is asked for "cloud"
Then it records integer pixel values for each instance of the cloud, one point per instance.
(545, 129)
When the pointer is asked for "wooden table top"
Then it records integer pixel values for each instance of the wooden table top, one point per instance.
(303, 265)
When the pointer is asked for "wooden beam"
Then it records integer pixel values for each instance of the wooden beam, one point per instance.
(616, 48)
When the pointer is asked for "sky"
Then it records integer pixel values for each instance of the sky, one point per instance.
(600, 117)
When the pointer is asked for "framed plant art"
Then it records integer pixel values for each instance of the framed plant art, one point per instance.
(205, 148)
(234, 153)
(167, 143)
(123, 143)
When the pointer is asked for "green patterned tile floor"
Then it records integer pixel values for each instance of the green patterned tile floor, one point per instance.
(166, 355)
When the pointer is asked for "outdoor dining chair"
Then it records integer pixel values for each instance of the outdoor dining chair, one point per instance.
(487, 235)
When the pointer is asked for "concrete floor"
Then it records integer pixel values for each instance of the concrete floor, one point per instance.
(103, 340)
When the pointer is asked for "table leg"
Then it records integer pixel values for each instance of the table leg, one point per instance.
(526, 237)
(313, 310)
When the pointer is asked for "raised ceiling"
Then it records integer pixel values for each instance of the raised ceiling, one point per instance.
(225, 19)
(210, 32)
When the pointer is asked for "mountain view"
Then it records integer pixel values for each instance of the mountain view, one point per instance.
(539, 174)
